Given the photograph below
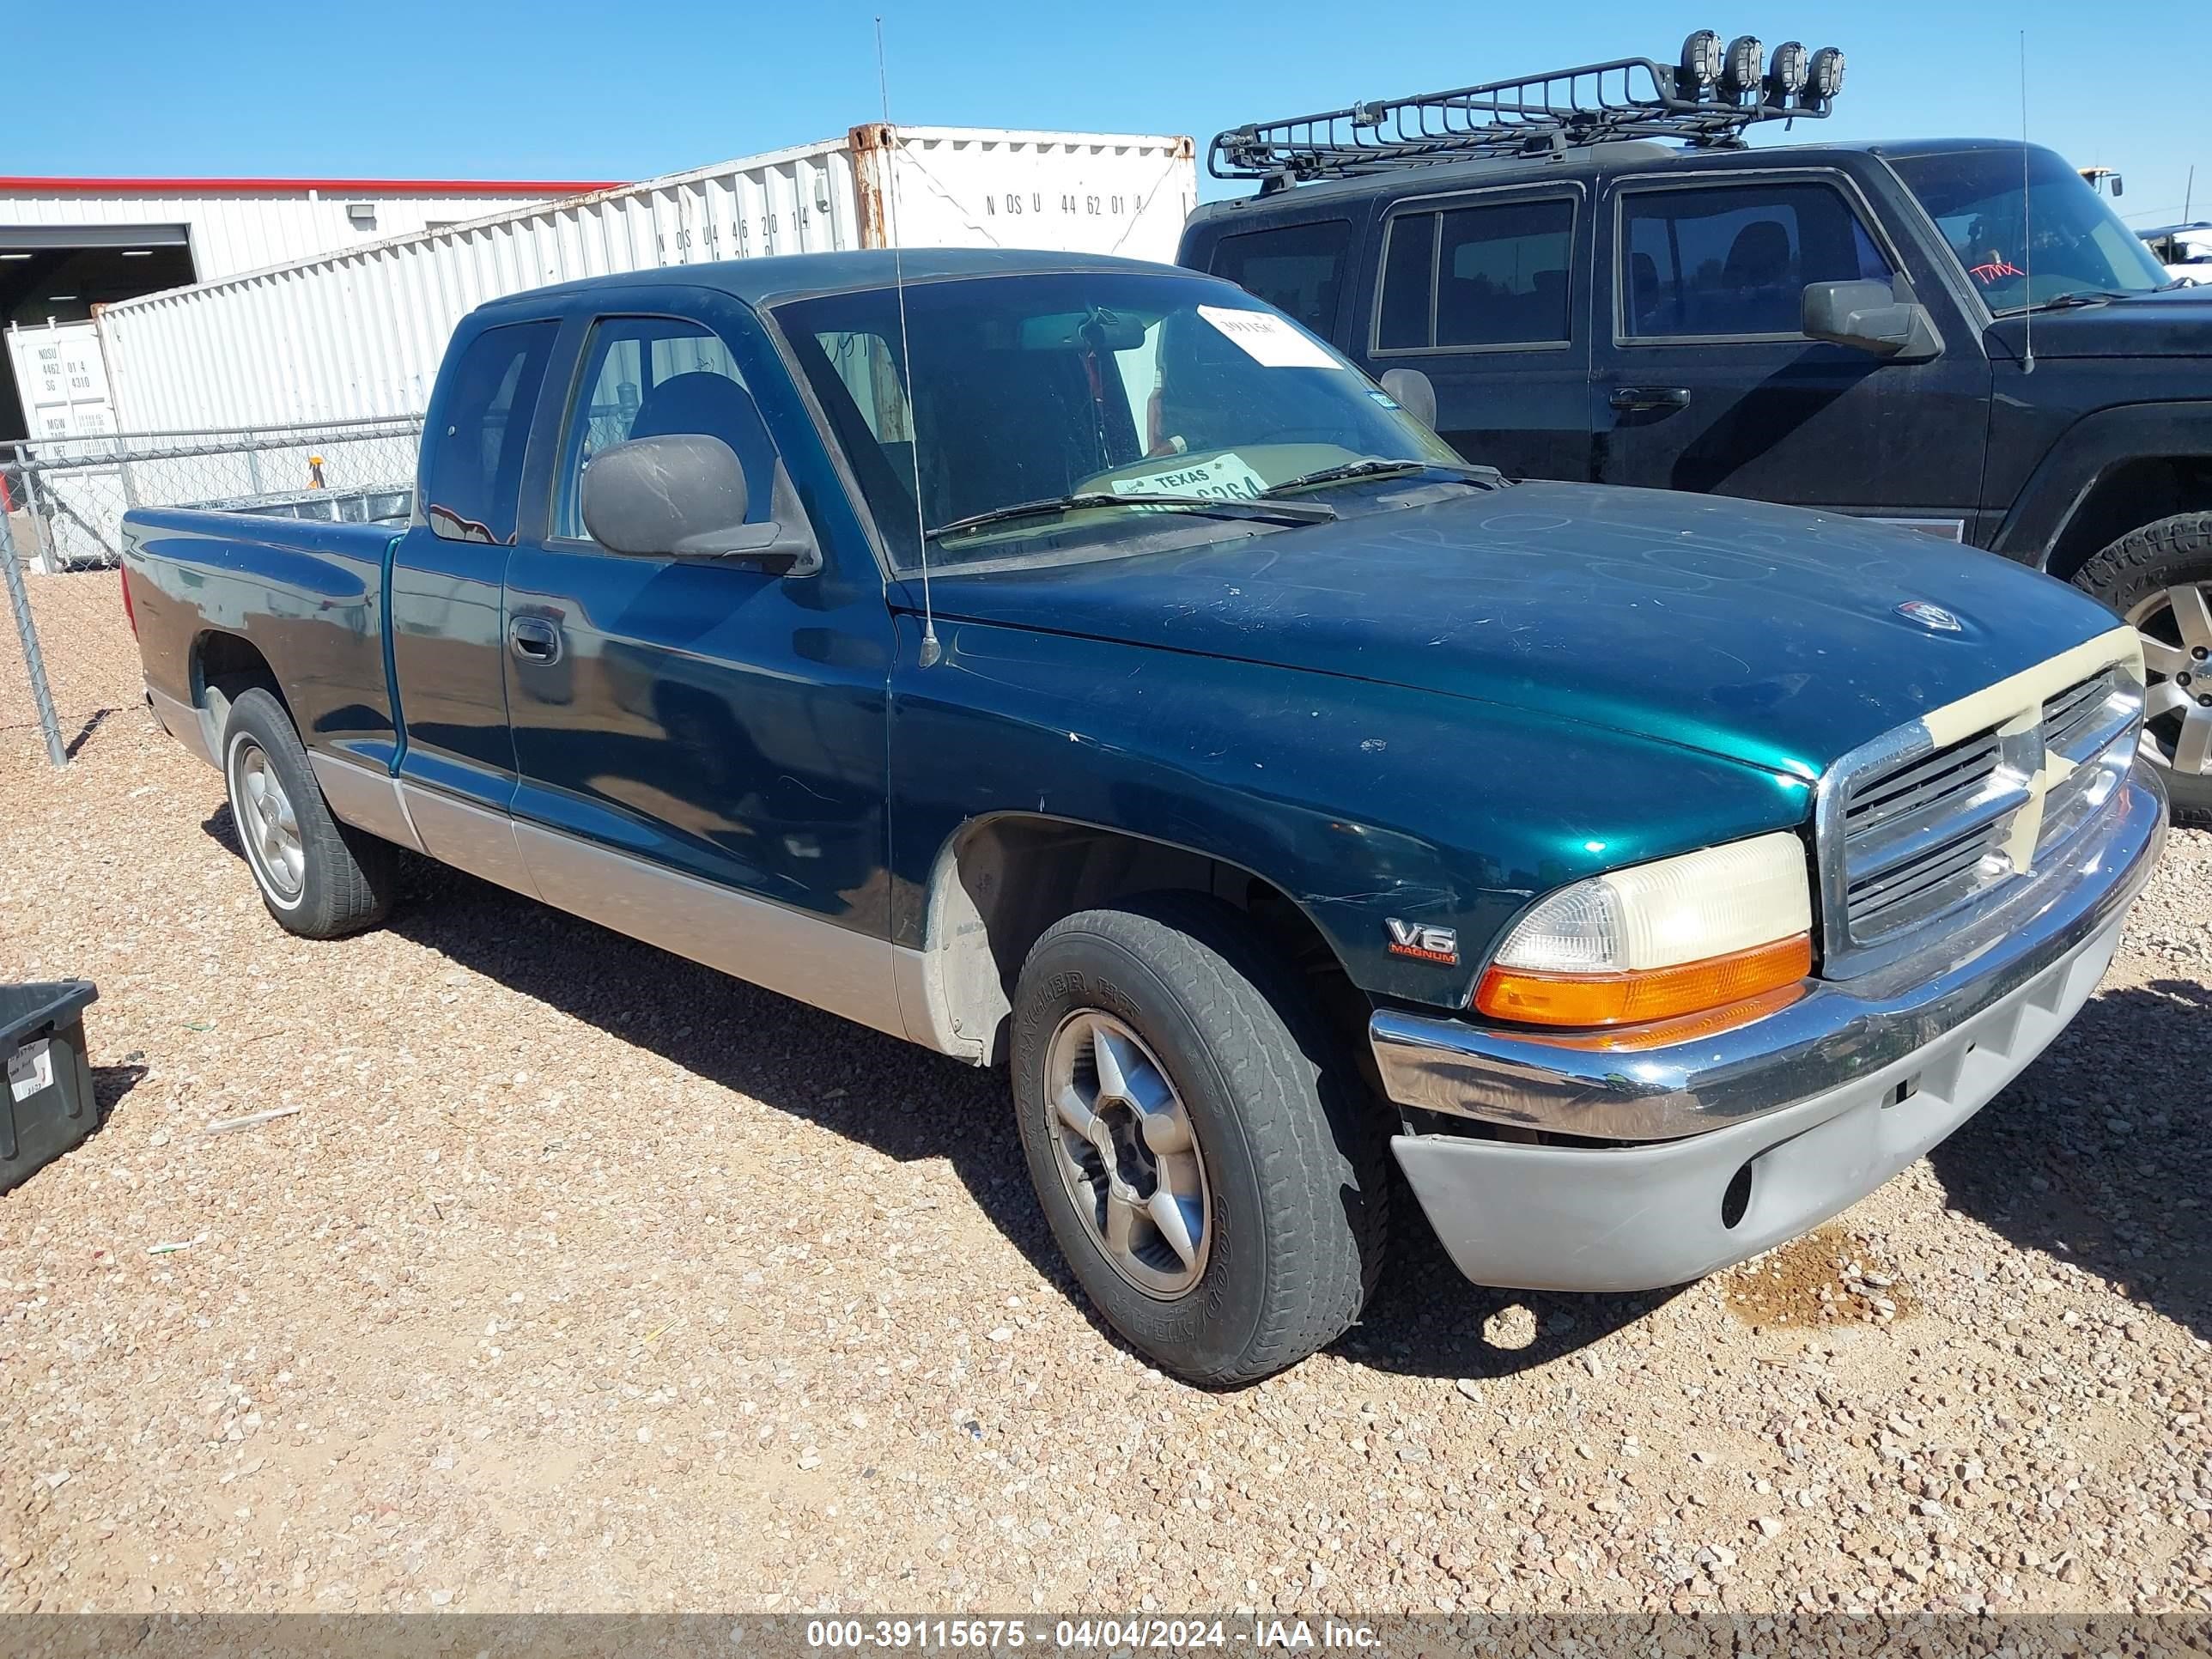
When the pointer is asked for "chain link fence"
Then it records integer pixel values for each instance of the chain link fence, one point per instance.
(66, 496)
(62, 502)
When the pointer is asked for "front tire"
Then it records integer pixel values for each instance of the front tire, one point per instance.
(2159, 578)
(1213, 1180)
(320, 878)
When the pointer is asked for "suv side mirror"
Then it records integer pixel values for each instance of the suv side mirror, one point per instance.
(1411, 390)
(1870, 317)
(682, 496)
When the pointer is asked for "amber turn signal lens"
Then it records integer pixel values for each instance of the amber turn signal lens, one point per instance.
(1628, 999)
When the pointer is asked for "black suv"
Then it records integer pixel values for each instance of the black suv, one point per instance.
(1954, 335)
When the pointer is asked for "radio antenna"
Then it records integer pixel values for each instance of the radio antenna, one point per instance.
(2026, 232)
(931, 650)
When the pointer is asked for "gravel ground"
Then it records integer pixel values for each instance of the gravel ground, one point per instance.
(583, 1279)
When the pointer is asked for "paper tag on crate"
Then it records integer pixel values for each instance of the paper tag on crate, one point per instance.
(30, 1069)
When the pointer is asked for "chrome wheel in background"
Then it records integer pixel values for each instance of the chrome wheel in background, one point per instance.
(2175, 626)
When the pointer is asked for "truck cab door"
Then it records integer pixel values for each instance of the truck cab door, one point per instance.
(700, 743)
(1488, 293)
(445, 626)
(1706, 383)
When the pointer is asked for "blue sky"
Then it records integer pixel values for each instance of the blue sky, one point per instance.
(565, 89)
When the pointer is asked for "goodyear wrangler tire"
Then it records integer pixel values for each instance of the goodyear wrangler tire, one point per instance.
(2159, 578)
(1209, 1172)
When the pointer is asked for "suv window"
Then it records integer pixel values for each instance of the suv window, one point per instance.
(1495, 275)
(1298, 269)
(1734, 260)
(651, 377)
(472, 476)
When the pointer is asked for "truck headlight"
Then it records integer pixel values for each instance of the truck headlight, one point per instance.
(1680, 936)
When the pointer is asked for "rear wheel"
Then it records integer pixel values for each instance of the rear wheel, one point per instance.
(1217, 1190)
(2160, 578)
(320, 878)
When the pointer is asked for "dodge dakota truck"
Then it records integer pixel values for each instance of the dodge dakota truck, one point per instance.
(1076, 664)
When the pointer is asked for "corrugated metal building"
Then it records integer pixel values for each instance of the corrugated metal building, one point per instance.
(67, 245)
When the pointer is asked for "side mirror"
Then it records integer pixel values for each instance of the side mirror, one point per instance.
(1870, 317)
(684, 496)
(1411, 391)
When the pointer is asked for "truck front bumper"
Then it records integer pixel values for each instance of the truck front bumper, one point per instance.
(1751, 1136)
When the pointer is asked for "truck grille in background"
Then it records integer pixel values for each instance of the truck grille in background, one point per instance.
(1924, 834)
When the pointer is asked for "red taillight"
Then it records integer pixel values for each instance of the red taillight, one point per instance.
(130, 611)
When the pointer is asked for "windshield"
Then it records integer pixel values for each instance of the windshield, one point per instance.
(1098, 383)
(2027, 235)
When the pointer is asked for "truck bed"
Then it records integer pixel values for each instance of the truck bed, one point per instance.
(309, 596)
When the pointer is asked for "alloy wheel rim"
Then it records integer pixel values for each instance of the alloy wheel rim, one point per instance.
(267, 826)
(1128, 1155)
(2175, 626)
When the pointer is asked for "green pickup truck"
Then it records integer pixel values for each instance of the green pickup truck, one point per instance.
(1075, 665)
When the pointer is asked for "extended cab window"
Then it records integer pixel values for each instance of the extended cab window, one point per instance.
(652, 377)
(1297, 269)
(472, 474)
(1734, 260)
(1488, 275)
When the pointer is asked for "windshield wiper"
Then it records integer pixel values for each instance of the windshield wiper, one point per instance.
(1212, 506)
(2088, 296)
(1482, 477)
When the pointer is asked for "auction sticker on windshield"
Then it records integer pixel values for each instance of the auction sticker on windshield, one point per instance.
(1226, 477)
(1267, 339)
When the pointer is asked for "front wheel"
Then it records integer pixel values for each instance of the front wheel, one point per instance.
(1219, 1191)
(2159, 578)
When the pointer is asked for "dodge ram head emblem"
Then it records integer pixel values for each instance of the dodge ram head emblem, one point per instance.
(1930, 616)
(1410, 939)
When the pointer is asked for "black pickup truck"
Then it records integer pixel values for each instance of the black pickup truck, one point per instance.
(1955, 335)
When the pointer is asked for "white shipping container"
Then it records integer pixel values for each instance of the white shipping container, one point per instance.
(361, 333)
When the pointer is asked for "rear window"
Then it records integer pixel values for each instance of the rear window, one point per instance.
(1297, 269)
(472, 469)
(1494, 275)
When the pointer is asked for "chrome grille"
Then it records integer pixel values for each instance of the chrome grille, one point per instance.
(1910, 833)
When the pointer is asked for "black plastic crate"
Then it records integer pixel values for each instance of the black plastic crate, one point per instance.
(46, 1101)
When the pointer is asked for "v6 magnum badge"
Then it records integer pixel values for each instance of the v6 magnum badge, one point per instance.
(1423, 944)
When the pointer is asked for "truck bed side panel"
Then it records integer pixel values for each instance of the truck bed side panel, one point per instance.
(307, 598)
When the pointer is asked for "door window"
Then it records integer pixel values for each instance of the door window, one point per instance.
(653, 377)
(1496, 274)
(472, 476)
(1298, 269)
(1734, 260)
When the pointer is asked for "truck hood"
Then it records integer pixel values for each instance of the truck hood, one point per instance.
(1761, 634)
(2174, 322)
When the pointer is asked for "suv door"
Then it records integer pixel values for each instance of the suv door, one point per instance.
(1706, 382)
(700, 743)
(1484, 293)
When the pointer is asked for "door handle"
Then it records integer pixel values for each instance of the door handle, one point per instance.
(1650, 397)
(533, 640)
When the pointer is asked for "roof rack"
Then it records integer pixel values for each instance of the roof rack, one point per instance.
(1707, 101)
